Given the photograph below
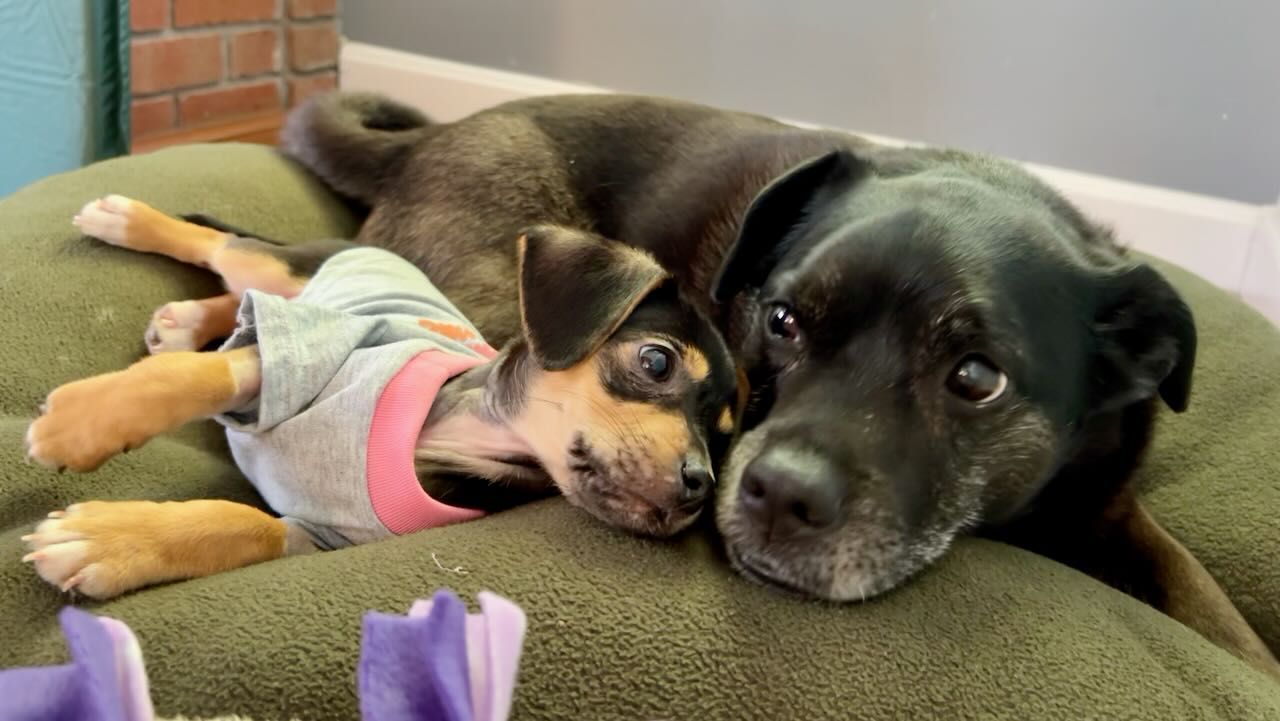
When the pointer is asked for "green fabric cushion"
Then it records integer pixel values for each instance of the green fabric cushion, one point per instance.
(620, 628)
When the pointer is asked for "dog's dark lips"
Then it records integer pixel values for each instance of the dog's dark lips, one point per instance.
(743, 563)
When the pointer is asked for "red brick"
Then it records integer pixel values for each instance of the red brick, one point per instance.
(312, 8)
(313, 46)
(203, 106)
(304, 86)
(151, 115)
(253, 53)
(159, 64)
(147, 15)
(190, 13)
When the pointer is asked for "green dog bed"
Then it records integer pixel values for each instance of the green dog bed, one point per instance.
(619, 628)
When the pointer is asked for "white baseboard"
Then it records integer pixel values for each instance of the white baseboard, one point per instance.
(1233, 245)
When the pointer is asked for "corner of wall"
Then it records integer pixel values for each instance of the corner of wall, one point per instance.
(1260, 286)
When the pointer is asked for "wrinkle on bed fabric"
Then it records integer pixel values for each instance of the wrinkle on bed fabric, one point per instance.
(619, 628)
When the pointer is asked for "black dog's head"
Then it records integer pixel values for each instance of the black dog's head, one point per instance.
(933, 343)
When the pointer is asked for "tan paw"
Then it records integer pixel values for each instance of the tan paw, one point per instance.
(100, 549)
(109, 219)
(176, 327)
(86, 422)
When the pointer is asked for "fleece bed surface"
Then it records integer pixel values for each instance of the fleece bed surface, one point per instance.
(620, 628)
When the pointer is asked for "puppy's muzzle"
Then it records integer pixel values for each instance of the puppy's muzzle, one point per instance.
(790, 493)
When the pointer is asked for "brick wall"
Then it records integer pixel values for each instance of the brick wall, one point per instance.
(196, 63)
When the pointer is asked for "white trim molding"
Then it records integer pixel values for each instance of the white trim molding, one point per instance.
(1234, 245)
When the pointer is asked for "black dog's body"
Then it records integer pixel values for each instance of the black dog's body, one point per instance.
(936, 341)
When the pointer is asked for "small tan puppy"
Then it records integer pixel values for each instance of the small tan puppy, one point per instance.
(362, 404)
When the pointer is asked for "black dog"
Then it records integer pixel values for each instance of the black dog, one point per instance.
(937, 342)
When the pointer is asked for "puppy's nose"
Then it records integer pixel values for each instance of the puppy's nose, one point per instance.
(697, 480)
(792, 492)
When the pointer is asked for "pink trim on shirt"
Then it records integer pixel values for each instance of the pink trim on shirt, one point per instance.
(394, 490)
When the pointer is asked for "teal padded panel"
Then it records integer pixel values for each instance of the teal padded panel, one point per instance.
(64, 86)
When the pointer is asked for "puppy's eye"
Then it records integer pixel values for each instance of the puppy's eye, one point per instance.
(657, 362)
(783, 323)
(976, 380)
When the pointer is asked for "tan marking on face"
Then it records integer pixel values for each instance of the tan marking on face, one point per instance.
(448, 330)
(641, 445)
(696, 363)
(724, 423)
(88, 421)
(103, 549)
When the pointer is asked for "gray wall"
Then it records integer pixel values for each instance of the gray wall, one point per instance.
(1179, 93)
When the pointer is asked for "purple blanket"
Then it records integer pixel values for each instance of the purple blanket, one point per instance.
(438, 663)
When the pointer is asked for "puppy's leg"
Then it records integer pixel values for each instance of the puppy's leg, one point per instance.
(103, 549)
(86, 422)
(132, 224)
(244, 263)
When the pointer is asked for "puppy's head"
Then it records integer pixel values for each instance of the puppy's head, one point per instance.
(621, 387)
(931, 348)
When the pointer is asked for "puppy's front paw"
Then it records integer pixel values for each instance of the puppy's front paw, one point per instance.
(108, 219)
(100, 549)
(83, 424)
(176, 327)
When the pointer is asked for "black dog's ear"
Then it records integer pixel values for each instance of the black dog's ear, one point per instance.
(576, 288)
(1146, 341)
(775, 212)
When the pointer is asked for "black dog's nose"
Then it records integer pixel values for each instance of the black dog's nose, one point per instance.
(788, 491)
(697, 479)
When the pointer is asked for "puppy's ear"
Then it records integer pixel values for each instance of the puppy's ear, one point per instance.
(775, 212)
(1146, 341)
(576, 288)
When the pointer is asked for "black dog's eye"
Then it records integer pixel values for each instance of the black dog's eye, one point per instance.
(976, 380)
(656, 362)
(783, 323)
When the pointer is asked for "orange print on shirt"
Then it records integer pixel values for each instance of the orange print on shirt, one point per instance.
(448, 330)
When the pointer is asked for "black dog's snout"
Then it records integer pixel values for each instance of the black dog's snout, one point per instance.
(697, 479)
(789, 492)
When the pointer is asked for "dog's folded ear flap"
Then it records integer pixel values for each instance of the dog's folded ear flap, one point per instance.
(576, 288)
(1146, 341)
(775, 212)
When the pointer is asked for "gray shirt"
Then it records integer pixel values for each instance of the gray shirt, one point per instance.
(350, 368)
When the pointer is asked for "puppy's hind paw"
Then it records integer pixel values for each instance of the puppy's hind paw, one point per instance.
(176, 327)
